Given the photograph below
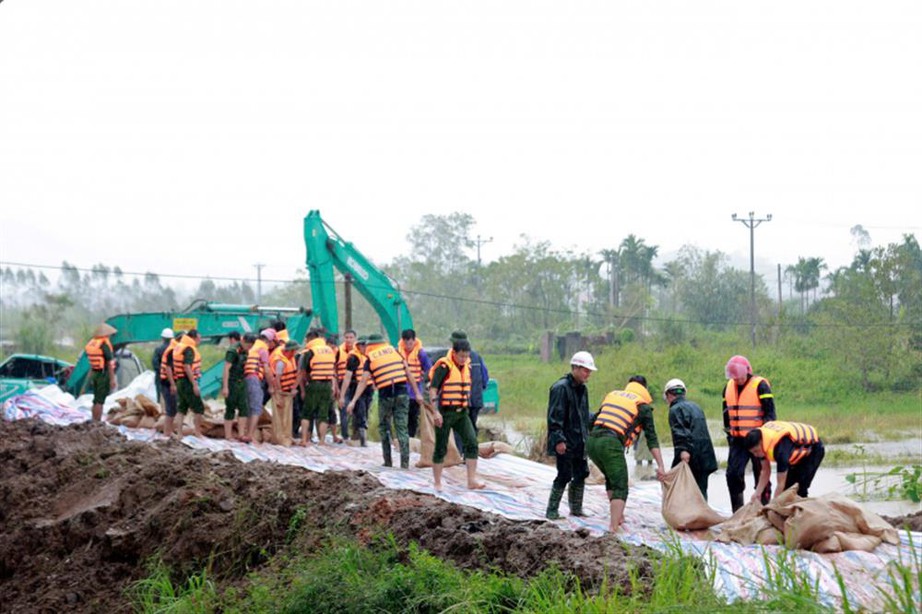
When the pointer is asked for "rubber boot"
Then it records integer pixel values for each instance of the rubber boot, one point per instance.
(553, 503)
(575, 498)
(362, 439)
(386, 451)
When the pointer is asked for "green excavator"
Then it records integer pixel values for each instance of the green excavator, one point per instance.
(212, 320)
(327, 252)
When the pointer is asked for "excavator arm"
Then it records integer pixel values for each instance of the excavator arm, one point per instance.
(326, 250)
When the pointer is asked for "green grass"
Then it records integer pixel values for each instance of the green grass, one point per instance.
(838, 408)
(346, 577)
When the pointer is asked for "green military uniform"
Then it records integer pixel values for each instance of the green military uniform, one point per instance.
(236, 388)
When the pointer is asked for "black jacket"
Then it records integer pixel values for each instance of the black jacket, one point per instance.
(567, 415)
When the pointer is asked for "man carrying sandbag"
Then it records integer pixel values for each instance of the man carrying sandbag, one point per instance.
(690, 437)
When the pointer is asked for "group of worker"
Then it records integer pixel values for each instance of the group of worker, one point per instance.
(324, 384)
(753, 435)
(310, 385)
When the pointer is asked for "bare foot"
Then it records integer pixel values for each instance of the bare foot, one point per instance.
(438, 486)
(476, 485)
(198, 434)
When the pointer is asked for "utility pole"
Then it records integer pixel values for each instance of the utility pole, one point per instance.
(480, 242)
(259, 282)
(751, 222)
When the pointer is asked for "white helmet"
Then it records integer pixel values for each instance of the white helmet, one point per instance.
(676, 386)
(166, 334)
(583, 359)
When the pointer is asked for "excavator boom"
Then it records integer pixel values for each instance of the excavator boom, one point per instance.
(326, 250)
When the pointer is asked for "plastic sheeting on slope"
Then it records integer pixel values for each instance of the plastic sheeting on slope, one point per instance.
(518, 489)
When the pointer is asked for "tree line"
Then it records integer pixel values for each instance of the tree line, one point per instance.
(868, 315)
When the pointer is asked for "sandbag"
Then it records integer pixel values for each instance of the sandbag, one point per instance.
(831, 523)
(814, 521)
(427, 443)
(489, 449)
(684, 507)
(150, 408)
(281, 419)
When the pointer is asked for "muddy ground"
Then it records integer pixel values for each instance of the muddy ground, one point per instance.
(84, 510)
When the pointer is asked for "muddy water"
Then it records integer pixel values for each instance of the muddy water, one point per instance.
(827, 480)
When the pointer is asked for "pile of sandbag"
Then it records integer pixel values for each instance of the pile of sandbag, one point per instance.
(830, 523)
(137, 413)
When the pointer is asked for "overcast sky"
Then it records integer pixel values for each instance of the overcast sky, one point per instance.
(192, 136)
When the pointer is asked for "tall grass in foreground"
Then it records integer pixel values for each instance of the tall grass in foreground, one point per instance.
(346, 577)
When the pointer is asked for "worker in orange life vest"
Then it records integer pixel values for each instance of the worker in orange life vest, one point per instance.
(796, 449)
(748, 403)
(102, 367)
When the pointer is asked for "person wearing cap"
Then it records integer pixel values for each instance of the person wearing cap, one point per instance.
(101, 356)
(450, 379)
(480, 378)
(187, 370)
(166, 336)
(796, 449)
(256, 374)
(624, 414)
(411, 348)
(567, 432)
(691, 439)
(283, 363)
(748, 403)
(352, 373)
(318, 385)
(390, 373)
(233, 388)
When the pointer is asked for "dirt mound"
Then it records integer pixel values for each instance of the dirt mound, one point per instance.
(911, 522)
(84, 510)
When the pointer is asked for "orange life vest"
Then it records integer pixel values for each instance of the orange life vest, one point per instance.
(744, 407)
(166, 360)
(386, 364)
(620, 411)
(323, 360)
(252, 365)
(95, 354)
(289, 377)
(803, 436)
(342, 356)
(179, 372)
(456, 387)
(411, 355)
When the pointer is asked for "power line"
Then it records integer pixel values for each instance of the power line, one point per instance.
(476, 301)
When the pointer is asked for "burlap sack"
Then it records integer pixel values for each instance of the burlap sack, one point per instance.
(834, 523)
(131, 421)
(150, 408)
(147, 422)
(830, 523)
(427, 443)
(684, 507)
(281, 419)
(489, 449)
